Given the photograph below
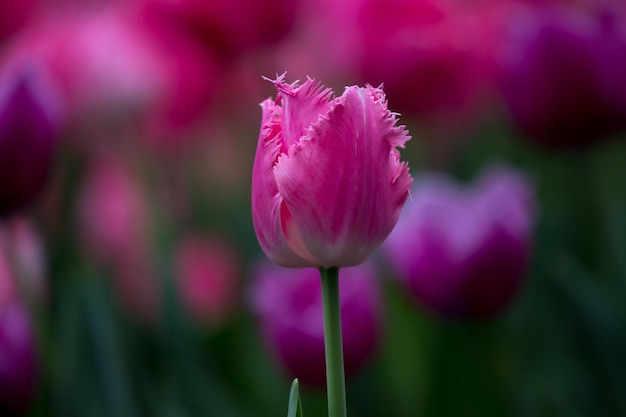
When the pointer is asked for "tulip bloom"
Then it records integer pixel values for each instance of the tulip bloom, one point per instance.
(288, 305)
(328, 184)
(463, 252)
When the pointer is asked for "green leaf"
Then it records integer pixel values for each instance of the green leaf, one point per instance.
(295, 407)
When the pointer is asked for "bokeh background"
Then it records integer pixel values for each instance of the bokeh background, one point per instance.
(130, 279)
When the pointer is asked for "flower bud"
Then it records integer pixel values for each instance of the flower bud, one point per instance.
(328, 184)
(288, 304)
(463, 252)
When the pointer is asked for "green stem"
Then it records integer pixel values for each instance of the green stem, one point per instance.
(335, 380)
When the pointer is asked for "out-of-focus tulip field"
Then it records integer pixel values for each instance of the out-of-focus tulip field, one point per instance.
(132, 282)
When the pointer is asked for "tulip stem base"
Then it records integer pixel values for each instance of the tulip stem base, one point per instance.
(335, 379)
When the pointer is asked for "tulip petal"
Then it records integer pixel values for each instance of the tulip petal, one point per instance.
(266, 201)
(302, 106)
(343, 183)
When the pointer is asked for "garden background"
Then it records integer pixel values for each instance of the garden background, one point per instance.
(135, 263)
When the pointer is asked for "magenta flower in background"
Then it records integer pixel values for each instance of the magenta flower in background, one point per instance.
(105, 66)
(30, 119)
(193, 72)
(463, 251)
(117, 68)
(207, 276)
(17, 350)
(328, 184)
(228, 28)
(562, 72)
(288, 305)
(431, 55)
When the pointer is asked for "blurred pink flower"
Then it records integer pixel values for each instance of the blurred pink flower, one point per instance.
(30, 120)
(288, 305)
(113, 225)
(112, 211)
(107, 68)
(562, 72)
(463, 252)
(328, 184)
(115, 66)
(207, 276)
(193, 74)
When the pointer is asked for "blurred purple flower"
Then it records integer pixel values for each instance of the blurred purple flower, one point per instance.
(18, 366)
(562, 72)
(288, 304)
(30, 119)
(463, 252)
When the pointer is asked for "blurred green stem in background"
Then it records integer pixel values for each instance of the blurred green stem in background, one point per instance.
(335, 379)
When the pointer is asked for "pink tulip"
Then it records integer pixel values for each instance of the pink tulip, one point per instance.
(288, 304)
(207, 275)
(328, 184)
(463, 252)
